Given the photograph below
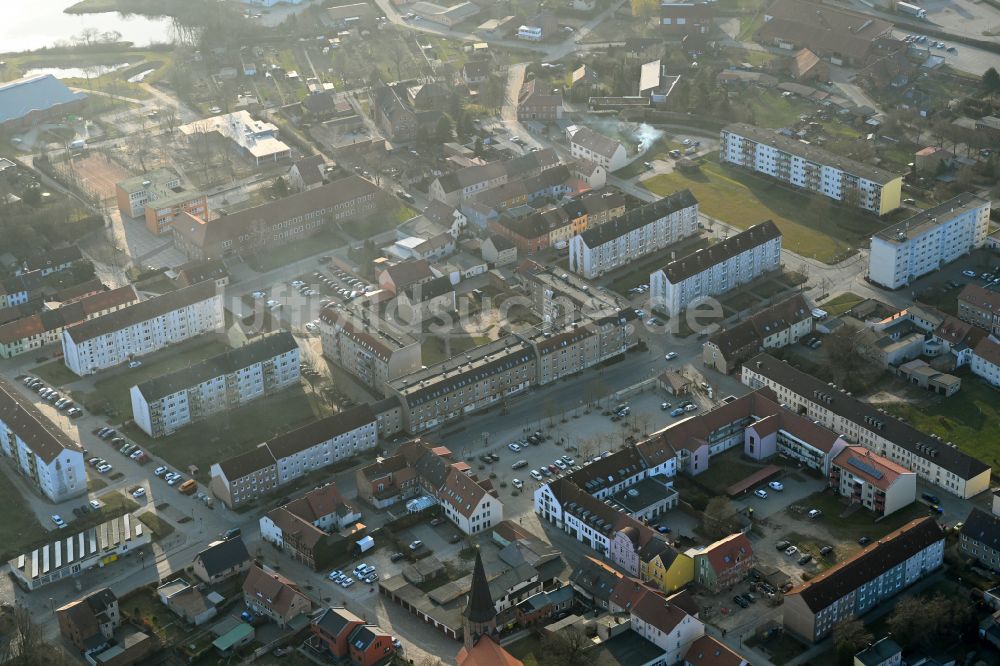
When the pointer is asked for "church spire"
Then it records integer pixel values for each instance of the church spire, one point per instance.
(480, 615)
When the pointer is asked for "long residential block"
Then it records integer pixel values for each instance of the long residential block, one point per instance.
(811, 168)
(230, 380)
(932, 459)
(293, 454)
(855, 586)
(980, 306)
(46, 327)
(639, 232)
(716, 269)
(38, 448)
(143, 328)
(928, 240)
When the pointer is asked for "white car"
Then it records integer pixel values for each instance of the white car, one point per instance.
(560, 464)
(536, 475)
(60, 523)
(297, 283)
(134, 364)
(776, 485)
(517, 483)
(670, 356)
(160, 471)
(815, 513)
(347, 582)
(760, 493)
(971, 274)
(139, 492)
(336, 575)
(514, 447)
(104, 469)
(95, 504)
(258, 294)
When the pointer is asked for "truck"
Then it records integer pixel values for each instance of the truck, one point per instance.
(911, 9)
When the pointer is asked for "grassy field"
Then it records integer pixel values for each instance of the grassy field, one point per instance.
(856, 525)
(19, 528)
(812, 226)
(838, 305)
(230, 433)
(529, 650)
(160, 527)
(971, 419)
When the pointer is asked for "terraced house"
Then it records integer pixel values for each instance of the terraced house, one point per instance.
(39, 450)
(858, 422)
(142, 328)
(227, 381)
(777, 326)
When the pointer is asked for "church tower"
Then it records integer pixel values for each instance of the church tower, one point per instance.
(480, 615)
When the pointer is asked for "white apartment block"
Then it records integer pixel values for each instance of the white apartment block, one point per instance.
(858, 422)
(227, 381)
(985, 360)
(874, 482)
(142, 328)
(927, 241)
(811, 168)
(716, 269)
(639, 232)
(468, 504)
(38, 448)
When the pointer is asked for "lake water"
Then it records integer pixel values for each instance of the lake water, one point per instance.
(40, 23)
(76, 72)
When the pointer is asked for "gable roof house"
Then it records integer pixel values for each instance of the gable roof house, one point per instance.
(586, 144)
(268, 593)
(307, 173)
(475, 72)
(535, 104)
(89, 623)
(724, 563)
(343, 635)
(306, 529)
(777, 326)
(841, 36)
(397, 277)
(392, 115)
(221, 560)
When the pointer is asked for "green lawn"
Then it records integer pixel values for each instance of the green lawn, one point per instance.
(812, 225)
(225, 435)
(970, 419)
(840, 304)
(529, 650)
(727, 469)
(160, 527)
(19, 528)
(638, 271)
(115, 388)
(846, 530)
(55, 373)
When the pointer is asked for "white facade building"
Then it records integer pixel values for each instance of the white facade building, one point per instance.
(142, 328)
(227, 381)
(639, 232)
(39, 449)
(815, 169)
(985, 360)
(716, 269)
(930, 239)
(586, 144)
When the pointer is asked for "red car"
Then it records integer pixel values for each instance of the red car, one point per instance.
(553, 469)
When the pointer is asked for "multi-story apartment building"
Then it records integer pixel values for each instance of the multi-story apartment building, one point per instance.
(293, 454)
(372, 349)
(159, 197)
(273, 224)
(856, 585)
(227, 381)
(483, 376)
(534, 102)
(549, 226)
(980, 539)
(874, 482)
(980, 306)
(38, 448)
(565, 298)
(985, 360)
(928, 240)
(811, 168)
(142, 328)
(562, 351)
(716, 269)
(639, 232)
(777, 326)
(933, 460)
(586, 144)
(46, 327)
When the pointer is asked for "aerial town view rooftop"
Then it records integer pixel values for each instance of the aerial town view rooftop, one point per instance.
(520, 333)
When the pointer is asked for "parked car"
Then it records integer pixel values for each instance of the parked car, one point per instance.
(536, 475)
(517, 483)
(741, 601)
(677, 412)
(776, 485)
(781, 545)
(814, 513)
(825, 550)
(134, 364)
(514, 447)
(670, 356)
(437, 521)
(791, 550)
(139, 492)
(60, 523)
(805, 559)
(396, 557)
(760, 493)
(415, 545)
(864, 541)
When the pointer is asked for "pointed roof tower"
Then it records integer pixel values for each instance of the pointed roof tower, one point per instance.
(480, 608)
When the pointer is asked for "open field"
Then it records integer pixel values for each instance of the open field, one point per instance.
(19, 529)
(812, 226)
(858, 523)
(230, 433)
(971, 419)
(838, 305)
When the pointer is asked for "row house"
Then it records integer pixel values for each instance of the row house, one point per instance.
(925, 242)
(640, 231)
(48, 459)
(774, 327)
(227, 381)
(858, 584)
(535, 103)
(932, 459)
(46, 327)
(142, 328)
(268, 593)
(716, 269)
(47, 262)
(811, 168)
(466, 183)
(292, 455)
(980, 306)
(555, 183)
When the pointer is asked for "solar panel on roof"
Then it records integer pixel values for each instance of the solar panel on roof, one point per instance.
(865, 467)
